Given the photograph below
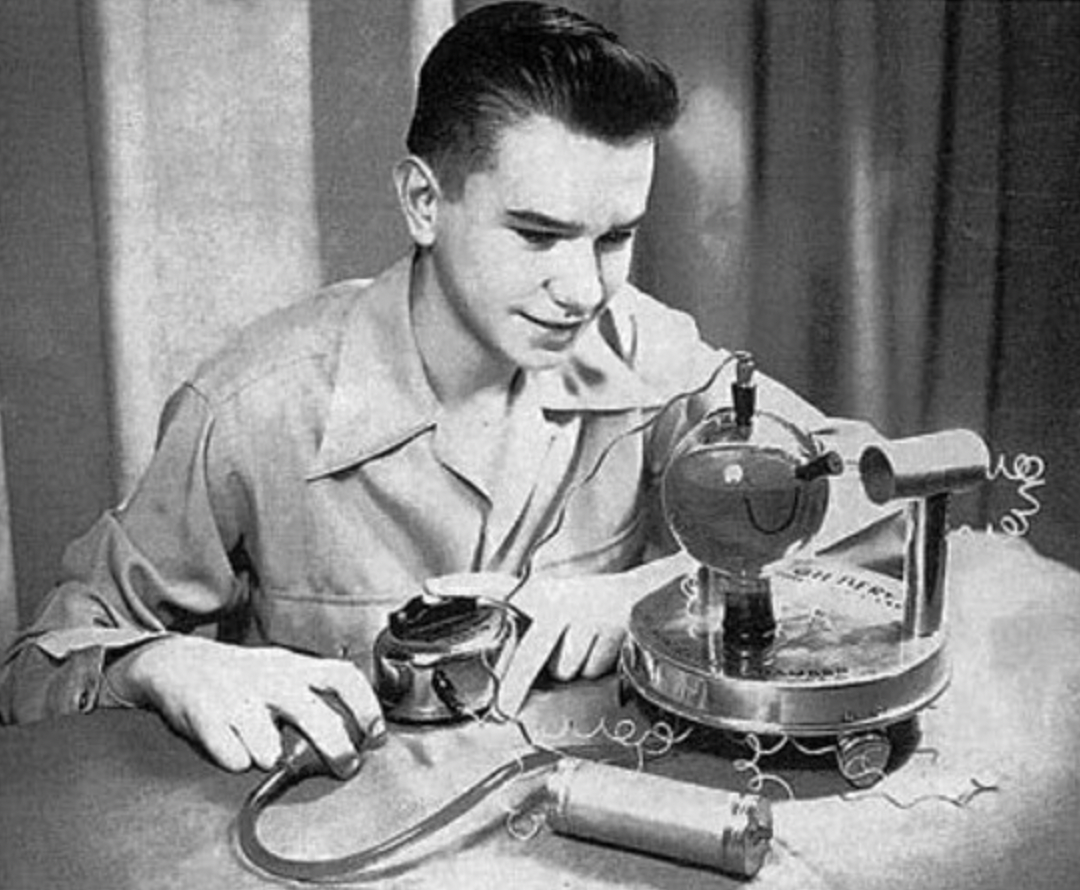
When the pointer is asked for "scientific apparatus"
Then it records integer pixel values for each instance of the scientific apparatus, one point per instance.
(760, 641)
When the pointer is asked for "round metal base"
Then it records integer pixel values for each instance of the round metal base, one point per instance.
(840, 663)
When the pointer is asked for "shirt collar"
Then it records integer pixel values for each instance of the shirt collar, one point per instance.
(382, 398)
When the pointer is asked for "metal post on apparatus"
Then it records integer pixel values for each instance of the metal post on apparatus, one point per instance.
(924, 471)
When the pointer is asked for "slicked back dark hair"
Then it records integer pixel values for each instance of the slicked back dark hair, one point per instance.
(506, 62)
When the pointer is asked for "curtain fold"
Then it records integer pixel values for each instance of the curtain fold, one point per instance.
(1034, 392)
(201, 142)
(824, 164)
(694, 247)
(9, 600)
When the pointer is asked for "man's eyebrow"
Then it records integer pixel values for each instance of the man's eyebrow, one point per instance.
(542, 221)
(539, 220)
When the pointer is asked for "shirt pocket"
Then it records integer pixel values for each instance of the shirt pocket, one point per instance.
(331, 626)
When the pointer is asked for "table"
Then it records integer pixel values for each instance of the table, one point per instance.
(989, 796)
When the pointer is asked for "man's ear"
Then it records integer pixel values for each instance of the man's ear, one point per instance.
(419, 195)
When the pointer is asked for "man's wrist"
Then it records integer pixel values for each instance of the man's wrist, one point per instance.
(124, 684)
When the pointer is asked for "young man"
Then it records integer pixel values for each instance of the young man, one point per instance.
(313, 475)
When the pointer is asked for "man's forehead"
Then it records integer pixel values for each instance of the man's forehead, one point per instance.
(541, 165)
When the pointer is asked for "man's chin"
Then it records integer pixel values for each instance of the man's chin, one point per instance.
(544, 358)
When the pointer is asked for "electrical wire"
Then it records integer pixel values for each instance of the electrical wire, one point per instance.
(358, 865)
(353, 866)
(642, 427)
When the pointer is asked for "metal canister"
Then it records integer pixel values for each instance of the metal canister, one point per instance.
(677, 820)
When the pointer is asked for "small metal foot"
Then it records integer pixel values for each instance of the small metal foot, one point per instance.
(862, 758)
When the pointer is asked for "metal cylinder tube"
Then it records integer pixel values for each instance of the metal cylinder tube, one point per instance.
(921, 466)
(677, 820)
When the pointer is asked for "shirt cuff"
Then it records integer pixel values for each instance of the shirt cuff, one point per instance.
(60, 644)
(87, 650)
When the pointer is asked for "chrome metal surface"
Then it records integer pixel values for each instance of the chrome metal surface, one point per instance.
(925, 554)
(840, 663)
(863, 757)
(446, 679)
(921, 466)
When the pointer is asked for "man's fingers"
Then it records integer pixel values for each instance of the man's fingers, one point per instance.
(221, 743)
(532, 654)
(588, 652)
(345, 680)
(574, 648)
(325, 727)
(604, 652)
(255, 727)
(229, 698)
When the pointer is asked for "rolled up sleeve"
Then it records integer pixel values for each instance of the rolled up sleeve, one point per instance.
(158, 564)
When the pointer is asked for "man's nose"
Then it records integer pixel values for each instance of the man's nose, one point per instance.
(577, 285)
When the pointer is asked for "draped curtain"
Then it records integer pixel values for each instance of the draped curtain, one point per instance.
(881, 199)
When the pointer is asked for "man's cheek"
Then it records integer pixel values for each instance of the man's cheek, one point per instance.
(614, 273)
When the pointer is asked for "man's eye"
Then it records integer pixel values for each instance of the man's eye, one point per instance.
(537, 238)
(616, 239)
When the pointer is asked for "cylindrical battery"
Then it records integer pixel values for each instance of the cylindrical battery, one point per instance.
(677, 820)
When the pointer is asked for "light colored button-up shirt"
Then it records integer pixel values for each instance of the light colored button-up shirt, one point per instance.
(306, 482)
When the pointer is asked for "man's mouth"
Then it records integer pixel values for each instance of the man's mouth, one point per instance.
(561, 326)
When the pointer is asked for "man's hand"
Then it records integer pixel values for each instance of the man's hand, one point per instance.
(230, 699)
(578, 624)
(583, 618)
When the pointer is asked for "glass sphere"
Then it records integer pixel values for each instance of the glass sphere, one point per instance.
(739, 497)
